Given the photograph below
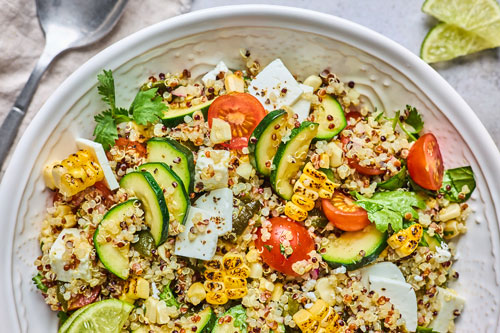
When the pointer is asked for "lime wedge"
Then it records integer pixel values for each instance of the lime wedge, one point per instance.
(106, 316)
(445, 42)
(479, 16)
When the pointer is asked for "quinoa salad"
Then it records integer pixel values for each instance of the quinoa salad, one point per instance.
(247, 200)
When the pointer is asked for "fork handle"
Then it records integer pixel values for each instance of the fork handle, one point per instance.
(10, 125)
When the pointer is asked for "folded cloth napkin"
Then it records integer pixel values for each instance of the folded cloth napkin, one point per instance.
(22, 41)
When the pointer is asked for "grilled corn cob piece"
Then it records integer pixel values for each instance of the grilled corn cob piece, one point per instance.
(75, 173)
(310, 186)
(226, 279)
(318, 319)
(405, 241)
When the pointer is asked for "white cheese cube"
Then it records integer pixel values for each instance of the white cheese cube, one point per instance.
(401, 295)
(275, 86)
(71, 240)
(203, 244)
(220, 204)
(302, 106)
(100, 156)
(212, 169)
(386, 270)
(449, 302)
(212, 75)
(220, 131)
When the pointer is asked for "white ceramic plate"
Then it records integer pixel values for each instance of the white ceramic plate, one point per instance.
(307, 42)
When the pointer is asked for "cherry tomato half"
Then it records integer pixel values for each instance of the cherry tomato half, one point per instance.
(242, 111)
(272, 250)
(123, 143)
(343, 213)
(353, 163)
(425, 163)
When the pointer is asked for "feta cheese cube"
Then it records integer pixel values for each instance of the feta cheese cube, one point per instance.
(212, 75)
(303, 106)
(220, 132)
(385, 269)
(71, 241)
(275, 86)
(449, 302)
(220, 204)
(201, 244)
(100, 156)
(212, 169)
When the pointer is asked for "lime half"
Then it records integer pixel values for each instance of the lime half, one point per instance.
(445, 42)
(479, 16)
(106, 316)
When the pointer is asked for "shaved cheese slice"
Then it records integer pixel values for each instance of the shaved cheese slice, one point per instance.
(100, 156)
(220, 204)
(449, 302)
(386, 270)
(212, 75)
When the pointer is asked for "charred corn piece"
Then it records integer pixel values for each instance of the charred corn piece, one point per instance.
(329, 186)
(310, 182)
(236, 293)
(406, 241)
(331, 317)
(234, 83)
(397, 240)
(295, 212)
(304, 319)
(300, 189)
(303, 202)
(312, 329)
(231, 261)
(212, 286)
(319, 176)
(242, 272)
(407, 248)
(319, 309)
(234, 282)
(76, 173)
(324, 194)
(217, 298)
(214, 264)
(319, 318)
(213, 275)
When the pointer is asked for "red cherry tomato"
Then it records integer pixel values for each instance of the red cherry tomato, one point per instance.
(242, 111)
(272, 249)
(425, 163)
(354, 163)
(343, 213)
(123, 143)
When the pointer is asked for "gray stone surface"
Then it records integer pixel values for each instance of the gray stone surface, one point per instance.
(475, 77)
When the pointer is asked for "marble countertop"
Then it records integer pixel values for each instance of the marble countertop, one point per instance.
(475, 77)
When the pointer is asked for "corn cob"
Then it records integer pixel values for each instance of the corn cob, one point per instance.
(75, 173)
(405, 241)
(137, 288)
(310, 186)
(320, 318)
(226, 279)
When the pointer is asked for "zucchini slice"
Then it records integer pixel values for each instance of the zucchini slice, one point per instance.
(290, 158)
(114, 258)
(144, 187)
(237, 324)
(431, 241)
(355, 249)
(174, 154)
(173, 189)
(265, 139)
(174, 117)
(330, 117)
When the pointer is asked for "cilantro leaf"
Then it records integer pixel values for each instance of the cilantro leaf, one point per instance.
(147, 107)
(106, 88)
(122, 116)
(386, 208)
(414, 119)
(105, 131)
(454, 181)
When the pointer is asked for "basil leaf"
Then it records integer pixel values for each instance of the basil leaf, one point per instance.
(399, 180)
(455, 181)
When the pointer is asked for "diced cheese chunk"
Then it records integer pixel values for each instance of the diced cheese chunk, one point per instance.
(71, 241)
(401, 295)
(220, 131)
(203, 244)
(220, 204)
(386, 270)
(100, 156)
(212, 75)
(212, 169)
(245, 170)
(303, 106)
(449, 302)
(275, 86)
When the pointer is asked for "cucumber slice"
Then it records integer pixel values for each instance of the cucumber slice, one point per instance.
(100, 317)
(174, 117)
(265, 139)
(237, 324)
(176, 156)
(347, 249)
(290, 158)
(114, 258)
(173, 189)
(330, 117)
(144, 187)
(205, 324)
(431, 241)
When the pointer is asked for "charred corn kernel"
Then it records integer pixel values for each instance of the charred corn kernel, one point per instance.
(213, 286)
(234, 83)
(309, 170)
(217, 298)
(320, 318)
(241, 272)
(234, 282)
(295, 212)
(451, 212)
(277, 292)
(450, 229)
(314, 328)
(196, 293)
(212, 275)
(319, 310)
(405, 241)
(214, 264)
(329, 318)
(236, 293)
(304, 319)
(324, 194)
(310, 182)
(137, 288)
(76, 173)
(305, 192)
(303, 202)
(329, 186)
(230, 261)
